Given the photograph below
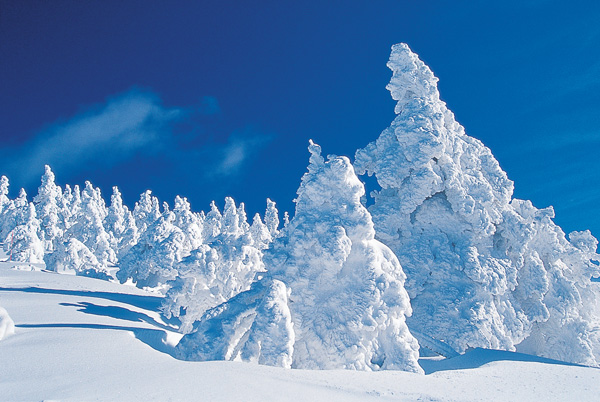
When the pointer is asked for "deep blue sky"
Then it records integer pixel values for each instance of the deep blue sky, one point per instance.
(213, 98)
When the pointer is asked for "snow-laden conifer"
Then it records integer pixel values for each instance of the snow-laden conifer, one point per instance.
(272, 218)
(88, 227)
(347, 304)
(260, 234)
(146, 211)
(189, 223)
(72, 257)
(150, 263)
(4, 200)
(22, 242)
(212, 224)
(483, 271)
(47, 202)
(6, 204)
(220, 268)
(120, 225)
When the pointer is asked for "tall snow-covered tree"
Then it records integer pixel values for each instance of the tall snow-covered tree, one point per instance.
(150, 263)
(146, 211)
(6, 205)
(272, 218)
(47, 202)
(22, 242)
(120, 225)
(4, 200)
(333, 296)
(189, 223)
(88, 227)
(261, 237)
(212, 224)
(483, 271)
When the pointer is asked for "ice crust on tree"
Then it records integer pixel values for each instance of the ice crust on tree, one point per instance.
(483, 269)
(345, 295)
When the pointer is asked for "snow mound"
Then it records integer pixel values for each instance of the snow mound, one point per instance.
(7, 326)
(347, 301)
(483, 269)
(254, 326)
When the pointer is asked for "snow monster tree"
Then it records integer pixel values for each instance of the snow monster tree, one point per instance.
(333, 296)
(483, 269)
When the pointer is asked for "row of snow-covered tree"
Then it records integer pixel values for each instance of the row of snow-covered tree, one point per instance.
(203, 259)
(444, 259)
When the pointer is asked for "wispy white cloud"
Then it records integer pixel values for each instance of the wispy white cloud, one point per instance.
(238, 150)
(106, 134)
(134, 124)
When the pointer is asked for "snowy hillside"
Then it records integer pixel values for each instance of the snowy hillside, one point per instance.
(429, 292)
(80, 338)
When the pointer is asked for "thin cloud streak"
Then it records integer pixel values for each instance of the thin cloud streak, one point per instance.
(127, 124)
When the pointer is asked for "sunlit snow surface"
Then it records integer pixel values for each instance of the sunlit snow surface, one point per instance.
(80, 338)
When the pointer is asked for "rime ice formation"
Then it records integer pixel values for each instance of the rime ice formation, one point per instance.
(482, 270)
(346, 303)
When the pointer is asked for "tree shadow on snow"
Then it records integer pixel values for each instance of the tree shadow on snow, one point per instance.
(117, 312)
(145, 302)
(478, 357)
(155, 338)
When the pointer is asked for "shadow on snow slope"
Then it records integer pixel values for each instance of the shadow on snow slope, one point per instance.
(478, 357)
(117, 312)
(158, 339)
(141, 301)
(155, 338)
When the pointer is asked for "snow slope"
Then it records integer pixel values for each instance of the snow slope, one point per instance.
(79, 338)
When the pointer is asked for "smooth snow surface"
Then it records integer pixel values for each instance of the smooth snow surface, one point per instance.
(83, 339)
(483, 269)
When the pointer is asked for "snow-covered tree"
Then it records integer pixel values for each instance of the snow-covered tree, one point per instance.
(212, 223)
(272, 218)
(5, 206)
(347, 301)
(261, 237)
(150, 263)
(75, 258)
(189, 223)
(120, 225)
(88, 226)
(22, 242)
(47, 202)
(482, 270)
(217, 270)
(146, 211)
(4, 200)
